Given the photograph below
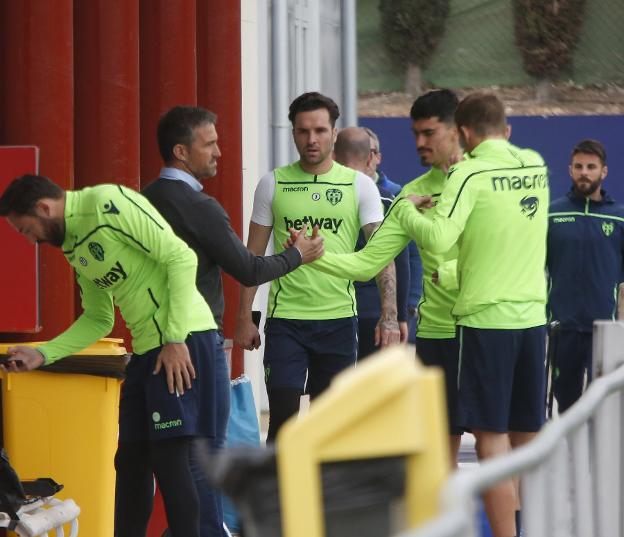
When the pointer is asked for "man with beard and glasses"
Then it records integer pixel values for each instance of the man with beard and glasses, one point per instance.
(124, 253)
(584, 260)
(311, 328)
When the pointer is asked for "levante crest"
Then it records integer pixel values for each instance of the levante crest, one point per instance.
(333, 195)
(607, 228)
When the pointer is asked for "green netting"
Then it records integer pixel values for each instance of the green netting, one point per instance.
(375, 70)
(600, 54)
(479, 49)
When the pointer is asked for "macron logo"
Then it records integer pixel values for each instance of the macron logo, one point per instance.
(330, 224)
(115, 274)
(515, 182)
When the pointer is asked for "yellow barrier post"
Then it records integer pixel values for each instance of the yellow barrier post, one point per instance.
(390, 405)
(64, 426)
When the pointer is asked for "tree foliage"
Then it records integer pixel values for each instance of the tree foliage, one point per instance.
(412, 29)
(547, 32)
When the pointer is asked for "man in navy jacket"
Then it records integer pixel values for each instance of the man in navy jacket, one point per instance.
(584, 261)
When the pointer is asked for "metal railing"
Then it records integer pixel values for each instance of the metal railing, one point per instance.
(570, 474)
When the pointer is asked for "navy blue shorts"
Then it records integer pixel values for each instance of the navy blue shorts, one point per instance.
(572, 359)
(502, 379)
(319, 350)
(147, 411)
(444, 353)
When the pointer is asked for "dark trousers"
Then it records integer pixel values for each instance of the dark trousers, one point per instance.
(366, 337)
(572, 359)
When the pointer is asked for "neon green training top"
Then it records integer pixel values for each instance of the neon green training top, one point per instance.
(329, 201)
(123, 250)
(495, 206)
(435, 320)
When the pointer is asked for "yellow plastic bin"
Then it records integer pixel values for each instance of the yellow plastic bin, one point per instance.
(64, 426)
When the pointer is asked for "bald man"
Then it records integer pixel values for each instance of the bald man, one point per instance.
(354, 149)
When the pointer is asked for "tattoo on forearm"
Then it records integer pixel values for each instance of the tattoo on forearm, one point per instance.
(386, 283)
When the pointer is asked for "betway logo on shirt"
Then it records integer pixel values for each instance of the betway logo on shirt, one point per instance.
(515, 182)
(331, 224)
(115, 273)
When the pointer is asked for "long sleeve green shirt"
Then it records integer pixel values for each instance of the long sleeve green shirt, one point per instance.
(495, 207)
(494, 210)
(125, 253)
(435, 320)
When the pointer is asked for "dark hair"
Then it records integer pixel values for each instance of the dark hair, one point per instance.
(177, 125)
(21, 196)
(484, 113)
(591, 147)
(439, 103)
(313, 101)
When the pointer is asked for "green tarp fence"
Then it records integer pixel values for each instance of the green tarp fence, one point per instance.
(478, 48)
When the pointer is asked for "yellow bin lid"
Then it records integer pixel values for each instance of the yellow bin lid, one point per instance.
(105, 358)
(107, 346)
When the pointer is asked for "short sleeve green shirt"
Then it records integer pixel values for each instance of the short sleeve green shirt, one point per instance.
(329, 201)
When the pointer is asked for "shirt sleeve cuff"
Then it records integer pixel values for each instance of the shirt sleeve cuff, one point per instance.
(294, 256)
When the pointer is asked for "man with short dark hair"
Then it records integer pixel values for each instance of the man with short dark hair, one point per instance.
(437, 143)
(311, 327)
(494, 208)
(188, 143)
(584, 260)
(125, 253)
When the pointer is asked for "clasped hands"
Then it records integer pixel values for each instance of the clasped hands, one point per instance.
(421, 202)
(310, 247)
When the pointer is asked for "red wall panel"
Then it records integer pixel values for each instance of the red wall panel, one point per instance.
(125, 62)
(19, 284)
(168, 69)
(107, 92)
(107, 100)
(36, 108)
(219, 89)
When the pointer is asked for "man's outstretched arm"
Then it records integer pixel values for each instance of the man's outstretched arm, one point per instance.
(387, 329)
(95, 322)
(213, 232)
(440, 233)
(383, 246)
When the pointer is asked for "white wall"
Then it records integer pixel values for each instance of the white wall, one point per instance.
(254, 64)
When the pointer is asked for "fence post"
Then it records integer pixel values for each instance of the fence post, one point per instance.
(608, 355)
(608, 343)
